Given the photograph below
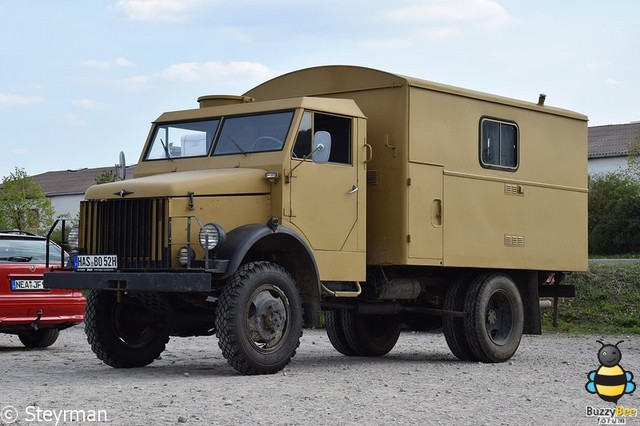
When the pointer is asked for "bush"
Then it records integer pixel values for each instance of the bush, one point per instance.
(614, 214)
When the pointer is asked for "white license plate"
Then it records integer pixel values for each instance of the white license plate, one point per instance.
(27, 285)
(95, 262)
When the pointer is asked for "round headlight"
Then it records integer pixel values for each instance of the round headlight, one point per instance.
(211, 236)
(73, 239)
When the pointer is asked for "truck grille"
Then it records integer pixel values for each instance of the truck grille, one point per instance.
(135, 230)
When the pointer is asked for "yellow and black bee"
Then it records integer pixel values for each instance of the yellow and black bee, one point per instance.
(610, 381)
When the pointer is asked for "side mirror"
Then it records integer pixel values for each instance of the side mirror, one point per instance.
(321, 148)
(122, 167)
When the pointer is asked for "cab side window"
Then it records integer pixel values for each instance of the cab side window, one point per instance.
(338, 127)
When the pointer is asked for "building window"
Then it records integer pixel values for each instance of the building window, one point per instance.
(498, 144)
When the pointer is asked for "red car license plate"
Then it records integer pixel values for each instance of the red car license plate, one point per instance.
(19, 285)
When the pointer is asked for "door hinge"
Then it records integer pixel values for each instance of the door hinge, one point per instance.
(409, 238)
(408, 181)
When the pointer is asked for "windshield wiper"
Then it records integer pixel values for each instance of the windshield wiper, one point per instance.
(17, 258)
(166, 150)
(237, 146)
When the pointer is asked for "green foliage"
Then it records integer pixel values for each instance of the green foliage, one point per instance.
(633, 159)
(105, 177)
(23, 204)
(607, 301)
(614, 214)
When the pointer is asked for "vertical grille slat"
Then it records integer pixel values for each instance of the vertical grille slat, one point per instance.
(134, 230)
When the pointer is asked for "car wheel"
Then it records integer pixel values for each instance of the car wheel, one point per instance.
(259, 318)
(123, 334)
(39, 338)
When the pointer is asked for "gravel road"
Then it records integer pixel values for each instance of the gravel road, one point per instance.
(419, 382)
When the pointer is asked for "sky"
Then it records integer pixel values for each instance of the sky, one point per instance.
(81, 81)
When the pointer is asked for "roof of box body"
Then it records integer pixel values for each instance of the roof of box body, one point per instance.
(335, 79)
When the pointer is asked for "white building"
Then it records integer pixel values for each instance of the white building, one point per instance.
(66, 188)
(609, 146)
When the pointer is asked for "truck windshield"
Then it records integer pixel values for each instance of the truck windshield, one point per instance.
(187, 139)
(253, 133)
(244, 134)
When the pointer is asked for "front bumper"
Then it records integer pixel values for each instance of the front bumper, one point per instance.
(132, 281)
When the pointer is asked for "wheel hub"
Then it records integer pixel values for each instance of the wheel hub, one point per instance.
(268, 319)
(492, 317)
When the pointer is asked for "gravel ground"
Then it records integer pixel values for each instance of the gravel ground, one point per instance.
(418, 382)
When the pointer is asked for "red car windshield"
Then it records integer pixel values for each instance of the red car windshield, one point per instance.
(26, 250)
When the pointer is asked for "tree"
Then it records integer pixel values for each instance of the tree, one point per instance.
(106, 176)
(633, 156)
(614, 213)
(23, 204)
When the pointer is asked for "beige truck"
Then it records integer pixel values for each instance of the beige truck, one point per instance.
(384, 201)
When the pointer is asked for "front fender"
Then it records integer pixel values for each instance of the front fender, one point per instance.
(242, 240)
(283, 246)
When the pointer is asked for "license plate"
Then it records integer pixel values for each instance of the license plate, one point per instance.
(94, 262)
(18, 285)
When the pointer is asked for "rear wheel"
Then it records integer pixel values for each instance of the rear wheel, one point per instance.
(259, 318)
(122, 334)
(370, 335)
(39, 338)
(335, 332)
(495, 317)
(453, 327)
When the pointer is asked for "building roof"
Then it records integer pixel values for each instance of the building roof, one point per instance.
(612, 140)
(72, 182)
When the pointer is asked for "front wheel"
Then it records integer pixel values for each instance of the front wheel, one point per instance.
(123, 334)
(495, 317)
(259, 318)
(39, 338)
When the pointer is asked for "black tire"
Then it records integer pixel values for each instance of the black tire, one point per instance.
(259, 318)
(495, 317)
(335, 332)
(125, 334)
(370, 335)
(39, 338)
(453, 327)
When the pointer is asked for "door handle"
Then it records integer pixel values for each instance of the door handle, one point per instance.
(354, 189)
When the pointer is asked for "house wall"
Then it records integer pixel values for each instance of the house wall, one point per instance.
(606, 165)
(66, 204)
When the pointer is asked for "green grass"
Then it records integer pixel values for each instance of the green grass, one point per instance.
(607, 302)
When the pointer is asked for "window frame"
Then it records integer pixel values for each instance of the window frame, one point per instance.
(350, 136)
(501, 122)
(157, 125)
(225, 118)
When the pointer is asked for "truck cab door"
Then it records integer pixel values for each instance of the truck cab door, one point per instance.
(325, 198)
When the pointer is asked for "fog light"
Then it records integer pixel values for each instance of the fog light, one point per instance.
(185, 255)
(211, 236)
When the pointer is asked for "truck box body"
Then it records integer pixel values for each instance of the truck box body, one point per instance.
(430, 198)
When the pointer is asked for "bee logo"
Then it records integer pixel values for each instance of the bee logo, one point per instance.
(610, 381)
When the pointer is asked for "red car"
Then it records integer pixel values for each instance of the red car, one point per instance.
(35, 314)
